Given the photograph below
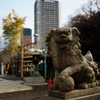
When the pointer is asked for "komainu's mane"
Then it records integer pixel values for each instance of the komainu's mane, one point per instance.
(62, 53)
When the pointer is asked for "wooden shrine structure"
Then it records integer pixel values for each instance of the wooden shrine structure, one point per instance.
(27, 57)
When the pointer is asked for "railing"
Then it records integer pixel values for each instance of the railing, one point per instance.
(26, 58)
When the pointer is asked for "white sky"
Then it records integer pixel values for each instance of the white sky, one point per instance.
(69, 7)
(26, 8)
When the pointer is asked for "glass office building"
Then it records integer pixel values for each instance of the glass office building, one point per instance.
(27, 36)
(46, 17)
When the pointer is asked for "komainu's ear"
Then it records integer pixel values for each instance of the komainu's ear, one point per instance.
(75, 31)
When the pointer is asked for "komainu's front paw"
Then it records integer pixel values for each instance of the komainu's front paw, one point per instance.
(61, 78)
(66, 83)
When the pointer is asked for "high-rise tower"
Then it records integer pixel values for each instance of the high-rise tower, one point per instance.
(46, 17)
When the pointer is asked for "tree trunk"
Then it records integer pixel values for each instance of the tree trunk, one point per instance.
(2, 69)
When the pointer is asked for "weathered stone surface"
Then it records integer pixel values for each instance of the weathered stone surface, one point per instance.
(74, 93)
(35, 81)
(72, 69)
(88, 97)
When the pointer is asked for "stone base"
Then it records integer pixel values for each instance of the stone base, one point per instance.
(88, 97)
(35, 81)
(81, 94)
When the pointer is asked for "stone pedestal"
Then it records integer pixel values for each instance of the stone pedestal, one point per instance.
(81, 94)
(35, 81)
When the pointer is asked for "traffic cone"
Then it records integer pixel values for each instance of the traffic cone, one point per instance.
(49, 83)
(53, 81)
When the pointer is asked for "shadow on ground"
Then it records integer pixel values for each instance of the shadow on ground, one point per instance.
(8, 77)
(38, 93)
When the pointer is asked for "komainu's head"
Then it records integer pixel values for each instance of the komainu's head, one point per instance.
(64, 36)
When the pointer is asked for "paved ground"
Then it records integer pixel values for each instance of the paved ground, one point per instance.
(12, 88)
(38, 93)
(12, 83)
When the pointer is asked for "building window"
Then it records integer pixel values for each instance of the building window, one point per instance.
(49, 6)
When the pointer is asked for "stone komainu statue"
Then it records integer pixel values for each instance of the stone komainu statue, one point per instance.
(72, 69)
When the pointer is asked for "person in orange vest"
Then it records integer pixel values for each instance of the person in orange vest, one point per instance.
(7, 68)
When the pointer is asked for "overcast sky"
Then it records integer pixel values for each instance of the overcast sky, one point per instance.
(25, 8)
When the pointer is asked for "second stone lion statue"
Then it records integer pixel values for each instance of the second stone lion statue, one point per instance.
(72, 69)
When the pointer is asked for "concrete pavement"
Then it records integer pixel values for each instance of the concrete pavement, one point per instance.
(12, 84)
